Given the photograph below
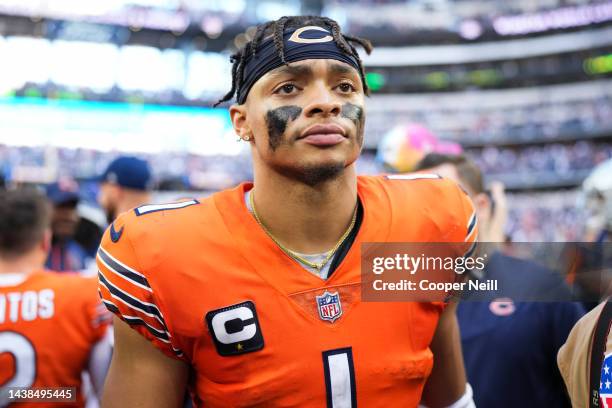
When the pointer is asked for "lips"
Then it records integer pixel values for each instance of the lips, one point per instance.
(323, 135)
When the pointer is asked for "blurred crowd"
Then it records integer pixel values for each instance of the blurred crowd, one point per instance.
(528, 211)
(555, 216)
(481, 125)
(175, 170)
(555, 158)
(542, 121)
(172, 170)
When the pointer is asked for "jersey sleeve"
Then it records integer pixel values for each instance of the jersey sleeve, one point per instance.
(125, 290)
(467, 220)
(459, 214)
(445, 220)
(447, 205)
(98, 316)
(462, 228)
(460, 224)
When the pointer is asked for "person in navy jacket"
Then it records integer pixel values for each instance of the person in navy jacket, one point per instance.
(509, 344)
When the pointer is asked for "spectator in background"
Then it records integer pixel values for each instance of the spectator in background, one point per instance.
(126, 183)
(585, 360)
(66, 254)
(509, 346)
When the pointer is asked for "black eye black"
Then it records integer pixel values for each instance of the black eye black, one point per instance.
(346, 87)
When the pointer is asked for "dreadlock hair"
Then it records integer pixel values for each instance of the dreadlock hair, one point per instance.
(277, 29)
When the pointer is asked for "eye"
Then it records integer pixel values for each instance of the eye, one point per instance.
(286, 89)
(346, 87)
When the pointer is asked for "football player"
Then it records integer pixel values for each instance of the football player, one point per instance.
(52, 326)
(253, 295)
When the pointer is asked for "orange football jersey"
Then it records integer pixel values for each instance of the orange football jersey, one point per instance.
(204, 283)
(49, 323)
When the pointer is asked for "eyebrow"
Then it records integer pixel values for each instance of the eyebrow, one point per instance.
(341, 69)
(292, 70)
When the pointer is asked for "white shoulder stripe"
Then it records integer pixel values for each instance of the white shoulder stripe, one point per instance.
(120, 263)
(114, 288)
(137, 318)
(133, 282)
(470, 251)
(470, 235)
(471, 226)
(177, 351)
(144, 209)
(412, 176)
(159, 333)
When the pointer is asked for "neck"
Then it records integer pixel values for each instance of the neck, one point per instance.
(132, 199)
(25, 264)
(306, 219)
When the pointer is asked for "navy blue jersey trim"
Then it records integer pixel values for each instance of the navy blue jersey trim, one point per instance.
(121, 270)
(190, 203)
(349, 354)
(131, 301)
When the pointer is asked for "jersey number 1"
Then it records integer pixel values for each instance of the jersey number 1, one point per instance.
(339, 374)
(24, 356)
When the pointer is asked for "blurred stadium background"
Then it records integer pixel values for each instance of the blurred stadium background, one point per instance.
(524, 87)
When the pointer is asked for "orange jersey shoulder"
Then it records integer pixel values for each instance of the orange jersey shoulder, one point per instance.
(423, 207)
(132, 247)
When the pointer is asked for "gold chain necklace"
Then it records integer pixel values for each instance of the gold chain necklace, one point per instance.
(293, 254)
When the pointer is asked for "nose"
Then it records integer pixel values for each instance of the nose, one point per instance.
(323, 103)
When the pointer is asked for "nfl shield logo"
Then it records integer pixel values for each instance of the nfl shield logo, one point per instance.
(329, 306)
(605, 384)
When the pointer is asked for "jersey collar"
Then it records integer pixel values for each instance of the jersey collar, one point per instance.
(280, 270)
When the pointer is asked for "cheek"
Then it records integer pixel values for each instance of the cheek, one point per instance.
(256, 121)
(259, 127)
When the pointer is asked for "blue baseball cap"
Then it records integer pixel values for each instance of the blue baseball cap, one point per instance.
(129, 172)
(63, 192)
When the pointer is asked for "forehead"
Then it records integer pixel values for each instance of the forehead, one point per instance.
(312, 68)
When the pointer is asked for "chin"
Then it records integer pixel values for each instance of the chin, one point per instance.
(330, 156)
(313, 172)
(326, 159)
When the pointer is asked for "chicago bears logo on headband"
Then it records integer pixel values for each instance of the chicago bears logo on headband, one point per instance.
(308, 42)
(297, 35)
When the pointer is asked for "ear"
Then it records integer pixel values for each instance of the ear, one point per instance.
(45, 243)
(118, 192)
(238, 115)
(115, 191)
(482, 204)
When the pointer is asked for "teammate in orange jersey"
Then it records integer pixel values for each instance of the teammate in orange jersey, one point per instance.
(52, 327)
(253, 295)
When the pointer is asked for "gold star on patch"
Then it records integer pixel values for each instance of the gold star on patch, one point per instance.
(239, 346)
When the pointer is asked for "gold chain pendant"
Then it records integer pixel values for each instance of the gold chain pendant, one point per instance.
(291, 253)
